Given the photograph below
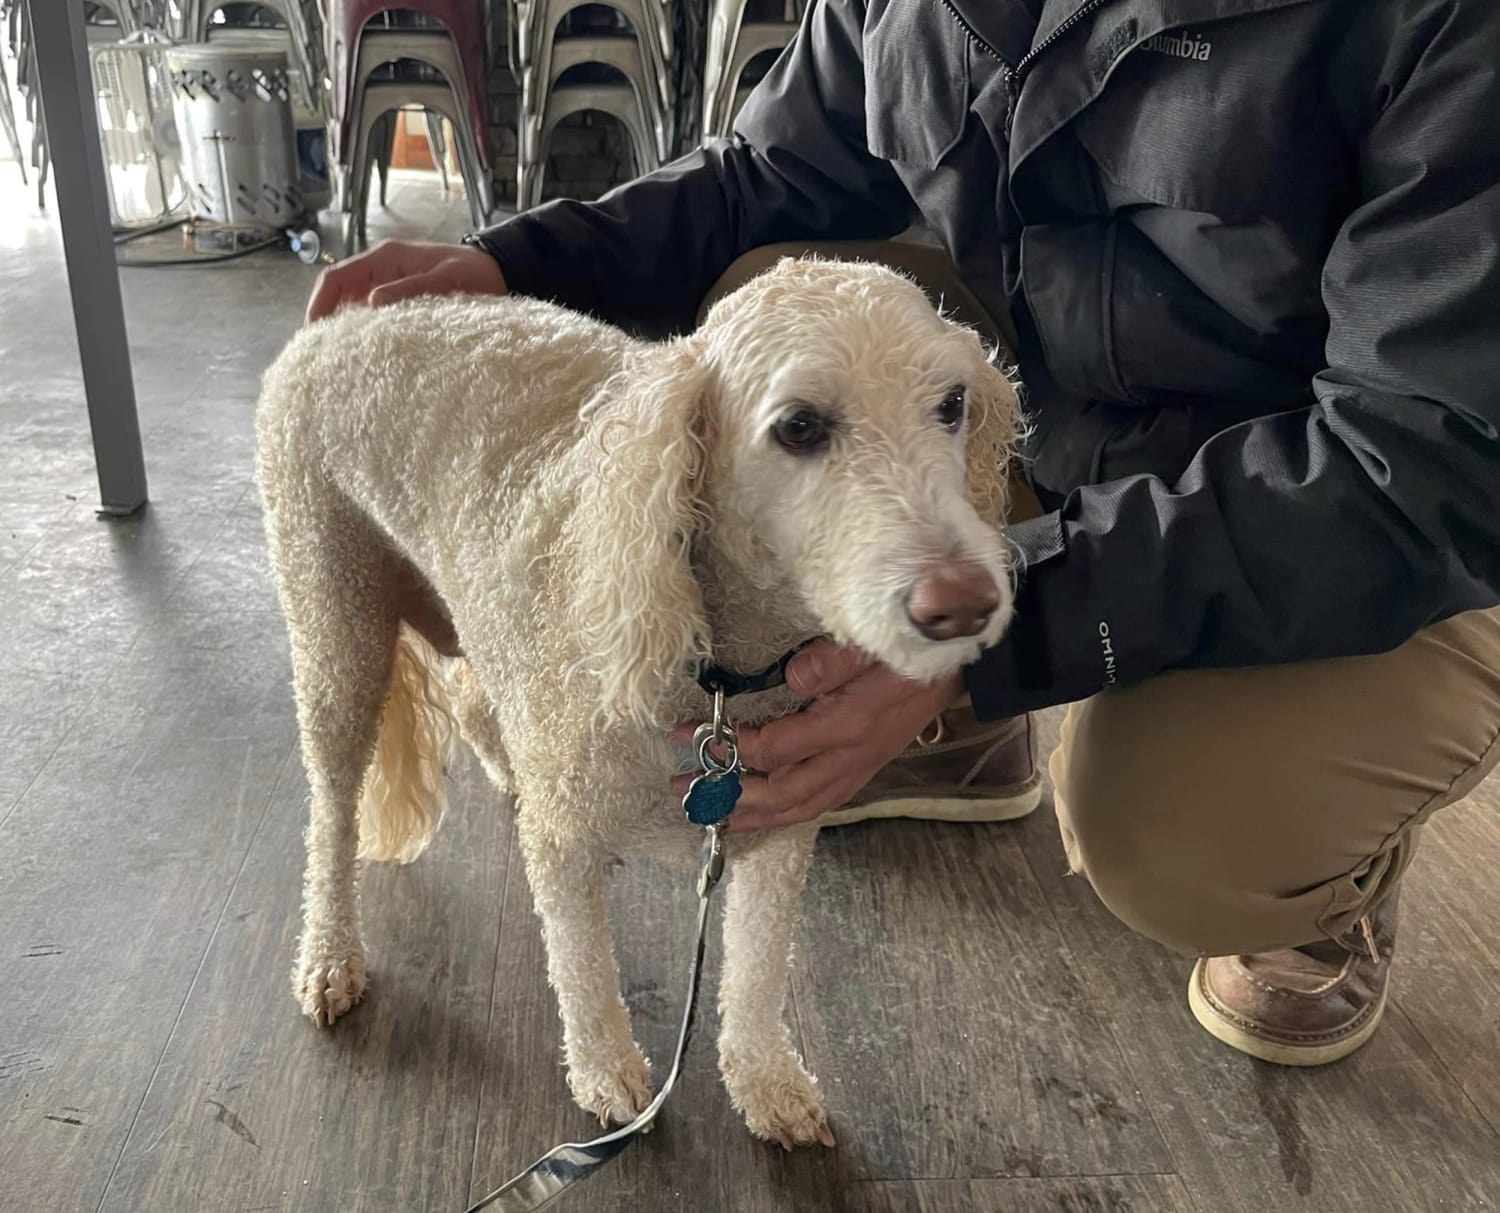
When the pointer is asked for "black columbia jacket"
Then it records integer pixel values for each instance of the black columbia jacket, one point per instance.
(1252, 252)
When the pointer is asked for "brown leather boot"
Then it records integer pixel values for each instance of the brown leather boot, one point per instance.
(959, 769)
(1303, 1006)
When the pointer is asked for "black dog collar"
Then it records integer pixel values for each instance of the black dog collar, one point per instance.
(714, 678)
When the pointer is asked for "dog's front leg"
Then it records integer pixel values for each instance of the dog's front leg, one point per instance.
(606, 1071)
(762, 1072)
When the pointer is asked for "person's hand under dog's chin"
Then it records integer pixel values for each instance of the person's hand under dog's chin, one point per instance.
(863, 714)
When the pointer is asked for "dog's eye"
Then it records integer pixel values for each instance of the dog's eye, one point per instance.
(950, 413)
(801, 431)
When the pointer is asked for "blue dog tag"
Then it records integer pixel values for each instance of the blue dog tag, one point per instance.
(711, 797)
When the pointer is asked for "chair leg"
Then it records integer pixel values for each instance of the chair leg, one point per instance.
(8, 121)
(439, 145)
(478, 189)
(472, 166)
(359, 183)
(42, 158)
(383, 138)
(531, 161)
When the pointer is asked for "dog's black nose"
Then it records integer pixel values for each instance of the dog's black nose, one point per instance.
(952, 598)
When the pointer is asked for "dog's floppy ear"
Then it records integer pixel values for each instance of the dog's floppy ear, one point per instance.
(637, 608)
(994, 429)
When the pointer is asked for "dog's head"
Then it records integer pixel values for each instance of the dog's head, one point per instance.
(832, 438)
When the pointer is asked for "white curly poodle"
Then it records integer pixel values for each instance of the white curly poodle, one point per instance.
(501, 514)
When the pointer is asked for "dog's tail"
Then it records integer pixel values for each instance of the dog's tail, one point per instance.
(404, 795)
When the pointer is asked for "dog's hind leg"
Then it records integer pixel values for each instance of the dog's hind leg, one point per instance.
(331, 570)
(477, 724)
(765, 1078)
(606, 1071)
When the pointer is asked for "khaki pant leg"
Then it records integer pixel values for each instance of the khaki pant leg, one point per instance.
(1226, 812)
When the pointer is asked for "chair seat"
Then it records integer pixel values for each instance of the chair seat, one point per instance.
(540, 38)
(435, 48)
(620, 52)
(617, 100)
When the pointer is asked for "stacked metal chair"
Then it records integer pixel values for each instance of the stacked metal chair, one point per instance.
(106, 21)
(389, 55)
(734, 44)
(624, 71)
(8, 122)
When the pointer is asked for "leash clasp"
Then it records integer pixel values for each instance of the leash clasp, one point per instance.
(711, 797)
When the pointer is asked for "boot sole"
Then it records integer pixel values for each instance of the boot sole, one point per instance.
(1214, 1022)
(958, 808)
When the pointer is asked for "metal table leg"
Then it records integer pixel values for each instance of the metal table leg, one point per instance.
(67, 92)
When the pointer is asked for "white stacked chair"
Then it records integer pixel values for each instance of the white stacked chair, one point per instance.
(541, 57)
(733, 44)
(106, 22)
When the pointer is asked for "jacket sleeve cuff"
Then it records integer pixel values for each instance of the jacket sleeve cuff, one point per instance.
(1028, 670)
(516, 250)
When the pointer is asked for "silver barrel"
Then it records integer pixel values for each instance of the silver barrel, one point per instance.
(234, 124)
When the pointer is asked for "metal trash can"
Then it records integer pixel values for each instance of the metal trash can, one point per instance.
(234, 126)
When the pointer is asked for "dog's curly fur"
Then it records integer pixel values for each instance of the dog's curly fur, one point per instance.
(500, 518)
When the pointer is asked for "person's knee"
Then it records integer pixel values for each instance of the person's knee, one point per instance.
(1181, 856)
(1153, 875)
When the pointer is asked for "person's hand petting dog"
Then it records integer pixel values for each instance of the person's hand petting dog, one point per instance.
(862, 715)
(403, 269)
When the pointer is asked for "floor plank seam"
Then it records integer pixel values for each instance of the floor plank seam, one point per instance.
(197, 973)
(204, 550)
(1080, 972)
(72, 724)
(1435, 1059)
(1014, 1179)
(510, 858)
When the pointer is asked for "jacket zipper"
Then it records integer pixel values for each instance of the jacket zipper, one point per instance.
(1014, 75)
(1007, 73)
(975, 38)
(1030, 57)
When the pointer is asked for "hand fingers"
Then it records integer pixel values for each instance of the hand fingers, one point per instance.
(825, 666)
(785, 740)
(788, 787)
(792, 739)
(354, 278)
(819, 799)
(782, 795)
(334, 285)
(433, 282)
(821, 667)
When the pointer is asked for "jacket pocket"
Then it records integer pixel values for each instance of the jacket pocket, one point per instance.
(1228, 118)
(916, 81)
(1068, 269)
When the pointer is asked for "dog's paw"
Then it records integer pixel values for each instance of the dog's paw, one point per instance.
(779, 1101)
(326, 988)
(615, 1093)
